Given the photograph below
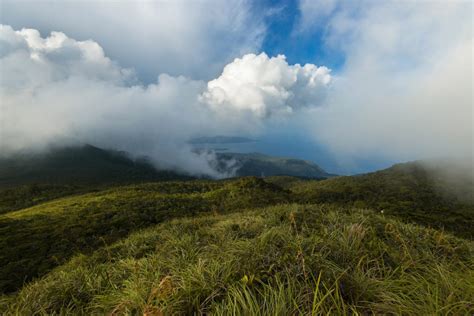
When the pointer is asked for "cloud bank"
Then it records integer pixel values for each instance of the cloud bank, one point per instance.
(405, 91)
(190, 38)
(59, 90)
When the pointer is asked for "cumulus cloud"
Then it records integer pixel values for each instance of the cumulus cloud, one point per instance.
(191, 38)
(60, 90)
(267, 86)
(405, 90)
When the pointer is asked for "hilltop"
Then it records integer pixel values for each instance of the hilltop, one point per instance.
(420, 192)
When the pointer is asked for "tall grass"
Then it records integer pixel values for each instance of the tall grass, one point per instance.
(35, 240)
(288, 259)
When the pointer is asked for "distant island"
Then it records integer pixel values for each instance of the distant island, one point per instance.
(221, 140)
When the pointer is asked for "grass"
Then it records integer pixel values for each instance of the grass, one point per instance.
(392, 242)
(287, 259)
(412, 192)
(35, 240)
(22, 196)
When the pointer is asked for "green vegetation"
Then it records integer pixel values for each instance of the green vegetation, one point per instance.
(412, 192)
(15, 198)
(36, 239)
(398, 241)
(277, 260)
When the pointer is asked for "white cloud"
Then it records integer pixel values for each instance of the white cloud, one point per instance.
(56, 89)
(191, 38)
(405, 91)
(54, 58)
(60, 90)
(266, 86)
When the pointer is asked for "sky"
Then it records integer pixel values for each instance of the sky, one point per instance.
(354, 86)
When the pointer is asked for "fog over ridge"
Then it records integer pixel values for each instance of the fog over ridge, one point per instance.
(56, 89)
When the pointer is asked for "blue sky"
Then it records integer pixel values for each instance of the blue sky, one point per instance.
(284, 37)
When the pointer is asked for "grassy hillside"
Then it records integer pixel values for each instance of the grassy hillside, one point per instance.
(284, 260)
(415, 192)
(36, 239)
(397, 241)
(21, 196)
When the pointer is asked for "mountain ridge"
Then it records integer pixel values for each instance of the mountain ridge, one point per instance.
(90, 165)
(258, 164)
(85, 164)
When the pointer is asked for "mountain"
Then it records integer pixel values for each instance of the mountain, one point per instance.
(27, 179)
(79, 165)
(89, 165)
(256, 164)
